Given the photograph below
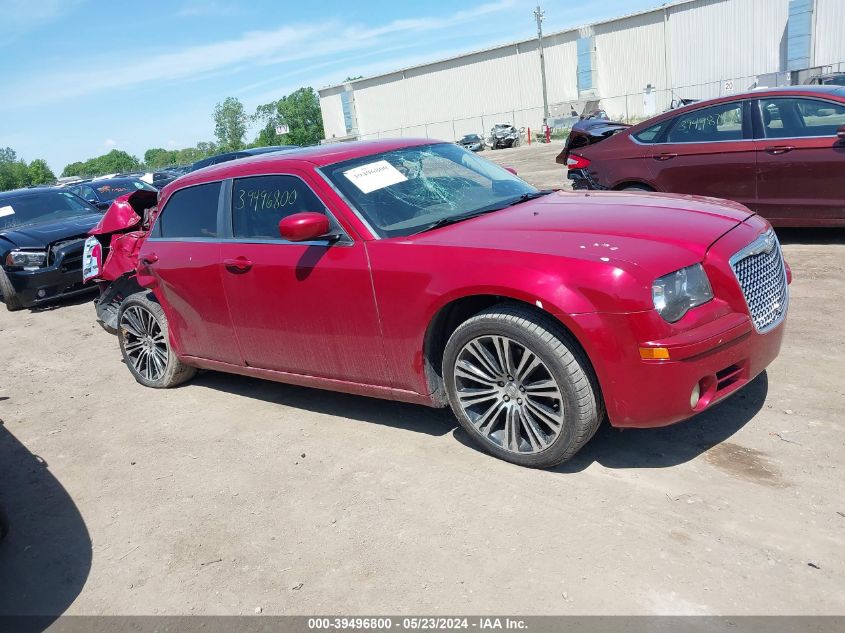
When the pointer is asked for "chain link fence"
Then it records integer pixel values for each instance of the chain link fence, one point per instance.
(626, 108)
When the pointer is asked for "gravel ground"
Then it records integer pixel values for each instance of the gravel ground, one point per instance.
(229, 494)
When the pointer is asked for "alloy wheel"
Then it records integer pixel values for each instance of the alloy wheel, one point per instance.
(509, 394)
(144, 342)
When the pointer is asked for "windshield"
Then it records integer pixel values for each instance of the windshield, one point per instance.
(406, 190)
(108, 190)
(837, 80)
(470, 138)
(44, 206)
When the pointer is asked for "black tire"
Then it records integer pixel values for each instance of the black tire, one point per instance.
(10, 297)
(637, 188)
(174, 371)
(540, 334)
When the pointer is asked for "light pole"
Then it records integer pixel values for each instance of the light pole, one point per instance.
(538, 14)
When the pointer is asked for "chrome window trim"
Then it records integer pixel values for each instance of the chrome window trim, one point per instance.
(763, 244)
(228, 213)
(157, 226)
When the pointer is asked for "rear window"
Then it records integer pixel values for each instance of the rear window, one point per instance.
(191, 213)
(650, 134)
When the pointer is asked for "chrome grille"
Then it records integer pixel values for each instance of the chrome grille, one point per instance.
(761, 273)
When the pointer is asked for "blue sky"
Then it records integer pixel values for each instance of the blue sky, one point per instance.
(78, 77)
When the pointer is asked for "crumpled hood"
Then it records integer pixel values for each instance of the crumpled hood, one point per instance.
(658, 232)
(42, 235)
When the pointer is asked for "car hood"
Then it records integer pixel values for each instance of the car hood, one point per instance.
(658, 232)
(44, 234)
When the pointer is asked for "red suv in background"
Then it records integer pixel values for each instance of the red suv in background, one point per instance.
(780, 152)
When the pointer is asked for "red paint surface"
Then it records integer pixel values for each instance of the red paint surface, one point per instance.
(799, 185)
(353, 316)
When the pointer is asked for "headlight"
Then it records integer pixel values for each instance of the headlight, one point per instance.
(26, 259)
(674, 294)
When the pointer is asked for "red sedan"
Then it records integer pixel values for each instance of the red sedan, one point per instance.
(420, 272)
(780, 152)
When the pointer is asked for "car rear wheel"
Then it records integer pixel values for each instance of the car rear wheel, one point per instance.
(10, 297)
(145, 344)
(521, 387)
(636, 188)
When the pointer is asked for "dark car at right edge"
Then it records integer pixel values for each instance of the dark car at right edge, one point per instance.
(780, 152)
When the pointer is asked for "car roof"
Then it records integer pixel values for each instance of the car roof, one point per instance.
(15, 193)
(318, 155)
(782, 91)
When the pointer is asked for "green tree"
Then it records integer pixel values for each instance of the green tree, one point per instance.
(116, 161)
(8, 155)
(230, 121)
(40, 173)
(73, 169)
(14, 175)
(300, 111)
(158, 157)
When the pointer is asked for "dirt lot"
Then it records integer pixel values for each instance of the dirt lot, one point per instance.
(231, 494)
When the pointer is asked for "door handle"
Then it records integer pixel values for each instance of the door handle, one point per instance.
(779, 149)
(149, 258)
(664, 156)
(237, 265)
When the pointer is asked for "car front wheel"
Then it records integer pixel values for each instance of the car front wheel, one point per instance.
(521, 387)
(10, 297)
(145, 343)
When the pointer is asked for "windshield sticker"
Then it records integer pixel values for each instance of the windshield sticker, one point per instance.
(374, 176)
(7, 210)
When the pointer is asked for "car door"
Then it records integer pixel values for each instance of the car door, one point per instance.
(299, 307)
(709, 152)
(800, 160)
(182, 254)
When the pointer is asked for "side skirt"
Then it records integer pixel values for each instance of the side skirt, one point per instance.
(330, 384)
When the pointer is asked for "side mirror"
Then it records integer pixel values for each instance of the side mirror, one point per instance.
(840, 133)
(303, 227)
(511, 170)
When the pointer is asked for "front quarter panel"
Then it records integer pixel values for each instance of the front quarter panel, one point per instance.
(414, 281)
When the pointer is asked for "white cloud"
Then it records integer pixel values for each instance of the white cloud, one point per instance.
(109, 142)
(21, 16)
(264, 48)
(171, 143)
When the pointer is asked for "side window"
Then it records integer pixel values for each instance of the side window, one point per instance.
(795, 117)
(650, 134)
(191, 212)
(86, 193)
(721, 122)
(260, 202)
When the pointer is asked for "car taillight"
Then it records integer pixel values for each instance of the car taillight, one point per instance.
(574, 161)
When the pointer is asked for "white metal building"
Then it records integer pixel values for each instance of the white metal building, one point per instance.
(633, 65)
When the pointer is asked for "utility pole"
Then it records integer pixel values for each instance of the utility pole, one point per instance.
(538, 14)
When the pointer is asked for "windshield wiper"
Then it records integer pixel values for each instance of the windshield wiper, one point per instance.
(452, 220)
(528, 196)
(460, 218)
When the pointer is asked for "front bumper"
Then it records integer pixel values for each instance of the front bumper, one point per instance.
(63, 278)
(720, 357)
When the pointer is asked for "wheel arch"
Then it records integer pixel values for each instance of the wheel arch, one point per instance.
(456, 311)
(633, 183)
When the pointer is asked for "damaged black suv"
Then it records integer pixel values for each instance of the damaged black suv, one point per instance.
(42, 233)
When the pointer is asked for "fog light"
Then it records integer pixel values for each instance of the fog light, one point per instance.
(694, 396)
(41, 293)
